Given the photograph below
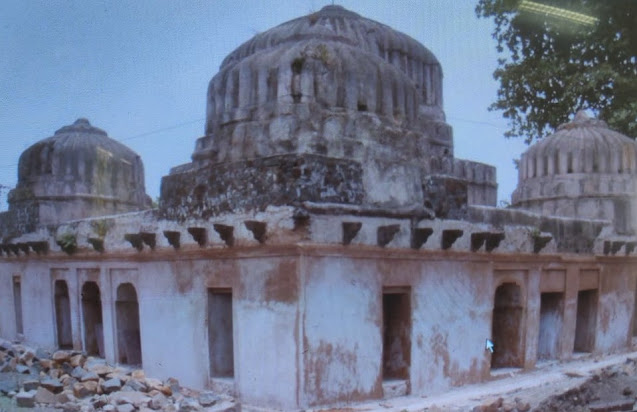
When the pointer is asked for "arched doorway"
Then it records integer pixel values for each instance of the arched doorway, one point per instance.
(63, 315)
(508, 312)
(129, 348)
(92, 313)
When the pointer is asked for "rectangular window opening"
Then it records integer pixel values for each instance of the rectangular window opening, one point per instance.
(551, 317)
(220, 339)
(586, 321)
(397, 335)
(17, 303)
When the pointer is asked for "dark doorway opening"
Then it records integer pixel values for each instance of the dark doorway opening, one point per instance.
(220, 339)
(63, 315)
(396, 334)
(129, 348)
(586, 321)
(92, 313)
(506, 331)
(17, 304)
(551, 318)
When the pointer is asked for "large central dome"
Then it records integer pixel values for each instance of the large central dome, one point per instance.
(331, 63)
(329, 108)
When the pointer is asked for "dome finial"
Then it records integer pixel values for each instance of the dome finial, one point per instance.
(82, 121)
(580, 116)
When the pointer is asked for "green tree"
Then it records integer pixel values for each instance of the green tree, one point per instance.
(557, 63)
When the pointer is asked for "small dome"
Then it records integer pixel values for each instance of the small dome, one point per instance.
(81, 162)
(575, 171)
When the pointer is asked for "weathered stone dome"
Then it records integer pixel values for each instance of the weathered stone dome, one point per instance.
(80, 172)
(582, 170)
(332, 62)
(328, 108)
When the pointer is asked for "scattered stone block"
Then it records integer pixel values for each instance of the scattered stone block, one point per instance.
(173, 384)
(35, 369)
(208, 398)
(42, 354)
(158, 401)
(52, 385)
(126, 407)
(84, 389)
(25, 399)
(138, 374)
(22, 369)
(43, 395)
(46, 364)
(77, 360)
(188, 405)
(78, 372)
(135, 385)
(99, 402)
(90, 376)
(91, 362)
(522, 406)
(135, 398)
(27, 356)
(30, 384)
(63, 398)
(101, 370)
(61, 356)
(111, 385)
(5, 344)
(508, 407)
(68, 380)
(153, 383)
(55, 373)
(6, 367)
(159, 388)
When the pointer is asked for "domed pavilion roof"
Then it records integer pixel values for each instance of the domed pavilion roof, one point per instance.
(578, 170)
(80, 161)
(335, 23)
(584, 145)
(329, 63)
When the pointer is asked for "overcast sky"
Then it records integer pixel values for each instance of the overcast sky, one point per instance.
(140, 69)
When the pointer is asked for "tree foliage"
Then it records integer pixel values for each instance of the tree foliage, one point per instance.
(555, 66)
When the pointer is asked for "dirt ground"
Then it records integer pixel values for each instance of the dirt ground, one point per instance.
(588, 383)
(585, 384)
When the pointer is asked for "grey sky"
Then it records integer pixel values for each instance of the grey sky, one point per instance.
(140, 69)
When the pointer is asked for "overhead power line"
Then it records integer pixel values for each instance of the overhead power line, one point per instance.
(137, 136)
(163, 129)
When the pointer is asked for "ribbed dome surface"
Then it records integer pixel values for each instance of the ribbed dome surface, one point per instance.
(583, 170)
(303, 72)
(353, 102)
(335, 23)
(584, 145)
(80, 160)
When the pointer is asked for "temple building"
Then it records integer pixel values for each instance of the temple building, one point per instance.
(324, 245)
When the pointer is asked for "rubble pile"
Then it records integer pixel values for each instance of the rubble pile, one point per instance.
(70, 381)
(500, 405)
(612, 389)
